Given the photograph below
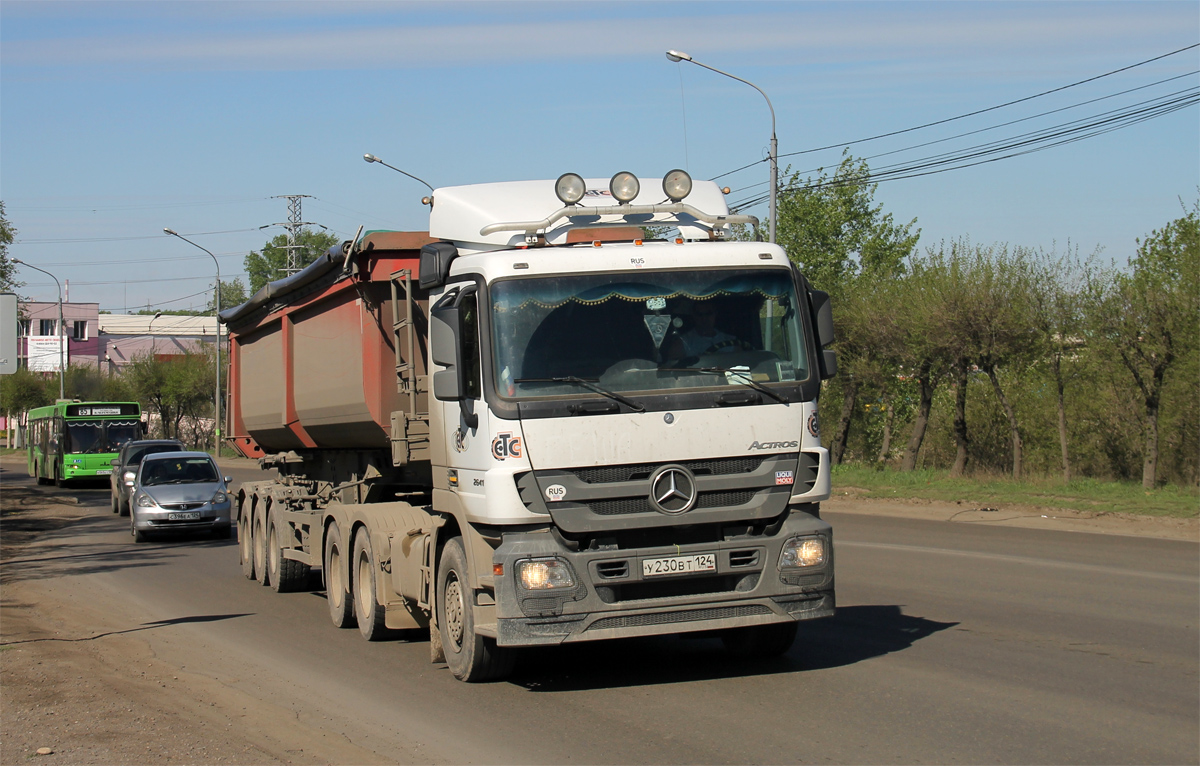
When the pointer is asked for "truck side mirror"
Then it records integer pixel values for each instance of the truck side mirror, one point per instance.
(436, 258)
(822, 310)
(445, 329)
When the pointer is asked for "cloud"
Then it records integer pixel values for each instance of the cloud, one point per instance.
(316, 38)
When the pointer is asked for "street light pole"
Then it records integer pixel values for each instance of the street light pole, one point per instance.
(681, 56)
(372, 158)
(216, 312)
(62, 362)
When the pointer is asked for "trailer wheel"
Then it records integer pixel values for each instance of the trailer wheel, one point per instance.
(286, 575)
(760, 642)
(470, 657)
(367, 609)
(258, 542)
(245, 536)
(337, 590)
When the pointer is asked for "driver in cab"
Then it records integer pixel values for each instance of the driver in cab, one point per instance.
(703, 337)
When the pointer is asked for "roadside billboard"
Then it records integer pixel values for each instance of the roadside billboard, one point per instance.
(44, 353)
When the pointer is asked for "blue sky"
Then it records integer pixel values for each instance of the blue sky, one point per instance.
(119, 119)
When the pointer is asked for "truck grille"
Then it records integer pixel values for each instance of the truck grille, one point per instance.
(687, 615)
(618, 473)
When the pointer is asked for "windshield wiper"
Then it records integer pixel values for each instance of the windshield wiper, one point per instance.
(744, 376)
(588, 385)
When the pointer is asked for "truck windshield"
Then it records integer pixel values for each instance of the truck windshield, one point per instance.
(650, 332)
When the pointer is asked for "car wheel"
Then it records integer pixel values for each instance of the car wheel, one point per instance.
(470, 657)
(116, 504)
(337, 586)
(139, 536)
(367, 610)
(124, 505)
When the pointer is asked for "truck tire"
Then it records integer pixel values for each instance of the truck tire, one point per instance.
(258, 541)
(246, 537)
(337, 580)
(471, 657)
(760, 642)
(285, 575)
(369, 613)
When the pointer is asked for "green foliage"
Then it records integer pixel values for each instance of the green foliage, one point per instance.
(833, 228)
(233, 293)
(8, 269)
(1085, 495)
(23, 390)
(268, 265)
(178, 390)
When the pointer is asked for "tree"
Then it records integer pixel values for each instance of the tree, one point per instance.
(8, 269)
(178, 390)
(847, 246)
(832, 227)
(268, 265)
(233, 293)
(22, 391)
(1147, 318)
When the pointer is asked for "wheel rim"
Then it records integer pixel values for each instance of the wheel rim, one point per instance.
(244, 539)
(454, 609)
(335, 589)
(272, 550)
(363, 584)
(259, 563)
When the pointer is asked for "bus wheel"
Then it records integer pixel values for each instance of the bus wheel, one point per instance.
(59, 481)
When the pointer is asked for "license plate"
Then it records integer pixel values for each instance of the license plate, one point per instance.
(183, 516)
(103, 471)
(701, 562)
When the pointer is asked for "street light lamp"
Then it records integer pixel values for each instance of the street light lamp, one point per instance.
(62, 363)
(678, 56)
(425, 200)
(216, 312)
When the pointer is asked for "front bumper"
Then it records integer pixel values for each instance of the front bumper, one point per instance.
(159, 519)
(613, 599)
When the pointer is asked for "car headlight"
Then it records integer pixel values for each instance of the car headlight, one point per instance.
(145, 501)
(545, 574)
(803, 552)
(219, 497)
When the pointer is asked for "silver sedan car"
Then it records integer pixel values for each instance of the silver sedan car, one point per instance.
(179, 492)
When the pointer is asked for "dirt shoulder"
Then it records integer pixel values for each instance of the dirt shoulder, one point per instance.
(76, 680)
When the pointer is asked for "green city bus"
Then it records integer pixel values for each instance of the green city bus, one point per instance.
(79, 440)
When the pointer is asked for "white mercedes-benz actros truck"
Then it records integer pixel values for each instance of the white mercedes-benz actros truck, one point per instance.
(571, 411)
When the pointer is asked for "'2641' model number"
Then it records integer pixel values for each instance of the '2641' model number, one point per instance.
(701, 562)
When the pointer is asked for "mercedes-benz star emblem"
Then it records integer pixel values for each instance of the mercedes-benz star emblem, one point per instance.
(673, 489)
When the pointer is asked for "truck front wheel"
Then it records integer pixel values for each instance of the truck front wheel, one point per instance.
(471, 657)
(337, 590)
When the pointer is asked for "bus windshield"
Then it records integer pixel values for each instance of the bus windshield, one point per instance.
(655, 331)
(98, 436)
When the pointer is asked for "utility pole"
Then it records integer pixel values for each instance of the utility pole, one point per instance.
(293, 226)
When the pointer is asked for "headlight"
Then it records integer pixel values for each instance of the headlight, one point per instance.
(545, 574)
(802, 552)
(570, 188)
(145, 501)
(218, 498)
(624, 186)
(677, 184)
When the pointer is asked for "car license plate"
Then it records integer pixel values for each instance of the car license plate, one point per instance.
(183, 516)
(701, 562)
(103, 471)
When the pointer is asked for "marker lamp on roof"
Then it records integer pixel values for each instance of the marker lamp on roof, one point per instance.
(570, 188)
(677, 184)
(624, 186)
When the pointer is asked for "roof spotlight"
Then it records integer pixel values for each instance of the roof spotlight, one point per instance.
(677, 184)
(624, 186)
(570, 188)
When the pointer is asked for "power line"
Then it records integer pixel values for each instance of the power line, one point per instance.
(841, 144)
(116, 239)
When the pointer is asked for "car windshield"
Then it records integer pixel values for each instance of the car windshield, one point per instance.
(137, 454)
(660, 330)
(195, 470)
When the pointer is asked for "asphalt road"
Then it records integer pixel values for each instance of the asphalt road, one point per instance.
(952, 644)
